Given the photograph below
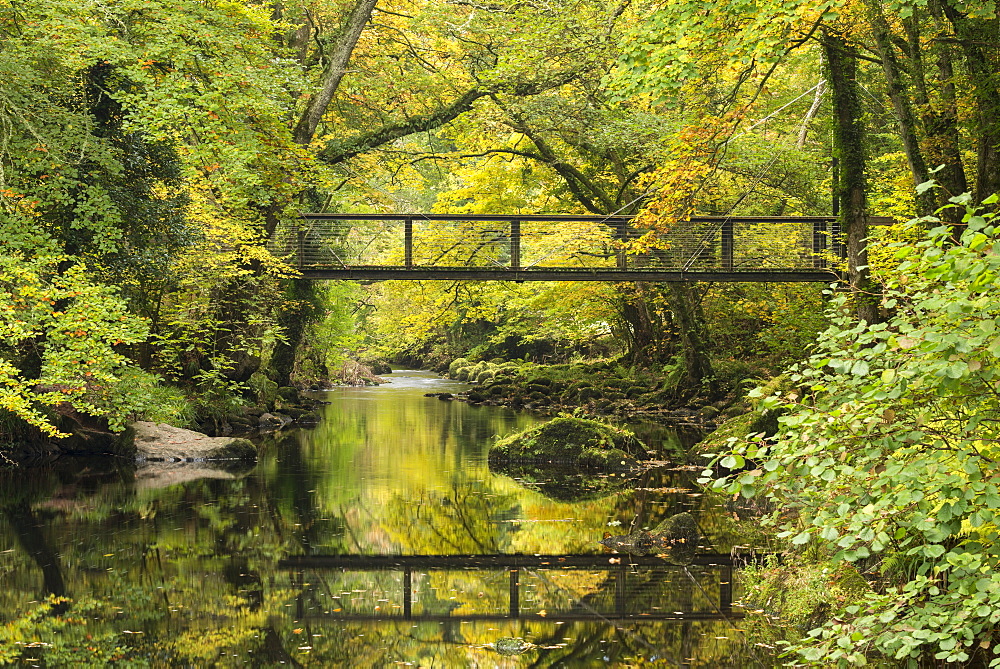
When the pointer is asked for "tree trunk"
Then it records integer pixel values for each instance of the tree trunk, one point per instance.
(686, 305)
(941, 125)
(643, 329)
(849, 150)
(975, 36)
(295, 317)
(900, 97)
(335, 69)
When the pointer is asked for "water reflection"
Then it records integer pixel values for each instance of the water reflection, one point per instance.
(201, 571)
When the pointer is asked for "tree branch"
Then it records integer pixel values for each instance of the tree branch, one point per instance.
(341, 54)
(334, 153)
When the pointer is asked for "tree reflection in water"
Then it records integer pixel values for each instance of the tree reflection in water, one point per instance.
(188, 574)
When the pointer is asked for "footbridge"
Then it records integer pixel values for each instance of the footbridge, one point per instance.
(557, 248)
(498, 588)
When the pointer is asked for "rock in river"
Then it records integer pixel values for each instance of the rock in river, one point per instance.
(567, 440)
(675, 539)
(162, 442)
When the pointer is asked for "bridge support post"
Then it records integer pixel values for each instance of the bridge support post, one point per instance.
(727, 244)
(408, 242)
(515, 244)
(621, 232)
(515, 603)
(407, 593)
(726, 588)
(837, 241)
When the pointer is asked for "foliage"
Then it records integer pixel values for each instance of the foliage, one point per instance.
(149, 398)
(785, 601)
(771, 324)
(887, 454)
(332, 335)
(62, 340)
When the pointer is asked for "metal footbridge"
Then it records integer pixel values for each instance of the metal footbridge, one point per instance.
(557, 247)
(511, 587)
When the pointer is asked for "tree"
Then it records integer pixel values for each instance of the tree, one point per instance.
(886, 455)
(734, 54)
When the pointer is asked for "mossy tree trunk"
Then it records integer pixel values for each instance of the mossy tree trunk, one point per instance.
(686, 304)
(850, 186)
(299, 312)
(977, 37)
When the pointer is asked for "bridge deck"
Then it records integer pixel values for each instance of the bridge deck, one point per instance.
(556, 248)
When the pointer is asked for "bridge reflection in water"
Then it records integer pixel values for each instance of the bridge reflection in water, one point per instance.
(514, 587)
(557, 248)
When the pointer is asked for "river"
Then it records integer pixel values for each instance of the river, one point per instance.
(379, 538)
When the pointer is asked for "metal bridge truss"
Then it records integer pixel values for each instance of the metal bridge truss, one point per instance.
(557, 248)
(518, 580)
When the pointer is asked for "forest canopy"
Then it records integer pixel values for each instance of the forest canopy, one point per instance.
(152, 151)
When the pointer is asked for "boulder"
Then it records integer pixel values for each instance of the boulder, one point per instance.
(675, 540)
(568, 440)
(288, 394)
(273, 421)
(162, 442)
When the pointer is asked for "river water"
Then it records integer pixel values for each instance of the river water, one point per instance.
(379, 538)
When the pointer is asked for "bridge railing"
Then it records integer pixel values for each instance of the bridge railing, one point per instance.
(412, 241)
(511, 587)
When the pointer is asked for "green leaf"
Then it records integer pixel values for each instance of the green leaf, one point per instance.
(926, 186)
(732, 462)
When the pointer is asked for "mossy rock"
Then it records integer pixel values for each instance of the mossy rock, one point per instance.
(288, 394)
(457, 364)
(609, 460)
(496, 390)
(678, 538)
(512, 646)
(485, 376)
(565, 440)
(755, 422)
(588, 393)
(539, 388)
(237, 449)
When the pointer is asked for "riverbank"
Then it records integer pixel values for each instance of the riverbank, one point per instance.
(603, 387)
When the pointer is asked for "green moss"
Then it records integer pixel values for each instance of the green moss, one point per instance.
(785, 601)
(756, 421)
(457, 364)
(564, 439)
(609, 460)
(236, 449)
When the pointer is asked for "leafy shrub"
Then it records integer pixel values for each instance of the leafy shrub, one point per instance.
(888, 452)
(151, 399)
(70, 326)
